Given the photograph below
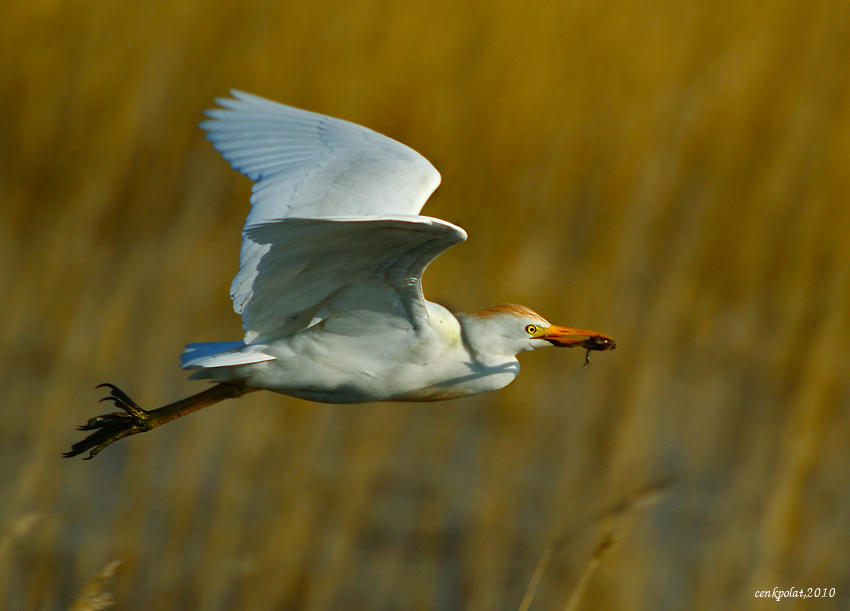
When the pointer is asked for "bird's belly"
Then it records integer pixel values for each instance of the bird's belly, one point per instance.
(470, 379)
(434, 393)
(345, 374)
(359, 385)
(396, 387)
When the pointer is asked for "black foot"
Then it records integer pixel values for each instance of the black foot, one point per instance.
(111, 427)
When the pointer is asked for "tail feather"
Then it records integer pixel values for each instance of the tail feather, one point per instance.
(221, 354)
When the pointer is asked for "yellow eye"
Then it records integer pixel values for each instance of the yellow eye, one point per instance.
(532, 329)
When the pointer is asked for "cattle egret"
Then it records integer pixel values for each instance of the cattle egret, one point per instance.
(329, 287)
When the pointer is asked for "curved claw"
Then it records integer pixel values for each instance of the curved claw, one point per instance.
(118, 395)
(109, 428)
(123, 401)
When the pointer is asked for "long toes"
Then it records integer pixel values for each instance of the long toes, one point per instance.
(99, 422)
(109, 428)
(95, 439)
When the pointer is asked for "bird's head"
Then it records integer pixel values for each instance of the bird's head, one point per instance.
(510, 329)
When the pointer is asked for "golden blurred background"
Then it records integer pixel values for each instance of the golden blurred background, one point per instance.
(673, 174)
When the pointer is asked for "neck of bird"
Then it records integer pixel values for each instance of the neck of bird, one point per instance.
(485, 340)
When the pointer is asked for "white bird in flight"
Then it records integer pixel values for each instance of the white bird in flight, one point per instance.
(329, 284)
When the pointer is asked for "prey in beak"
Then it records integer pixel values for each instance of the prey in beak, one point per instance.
(567, 337)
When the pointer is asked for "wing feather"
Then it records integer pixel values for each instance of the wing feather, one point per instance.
(332, 167)
(340, 265)
(333, 210)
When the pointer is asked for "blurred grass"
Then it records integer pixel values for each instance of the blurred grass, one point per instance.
(672, 174)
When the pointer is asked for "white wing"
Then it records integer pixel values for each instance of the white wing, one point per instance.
(312, 166)
(366, 266)
(309, 166)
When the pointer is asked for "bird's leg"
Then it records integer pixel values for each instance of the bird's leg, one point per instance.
(133, 419)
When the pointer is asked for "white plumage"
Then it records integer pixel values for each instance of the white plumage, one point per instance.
(333, 252)
(334, 205)
(329, 284)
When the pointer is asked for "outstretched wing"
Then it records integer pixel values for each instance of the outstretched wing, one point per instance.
(309, 166)
(315, 268)
(312, 166)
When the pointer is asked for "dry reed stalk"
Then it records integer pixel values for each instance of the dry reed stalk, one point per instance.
(94, 596)
(589, 570)
(535, 578)
(641, 499)
(20, 528)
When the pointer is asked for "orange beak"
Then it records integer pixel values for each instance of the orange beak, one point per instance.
(567, 337)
